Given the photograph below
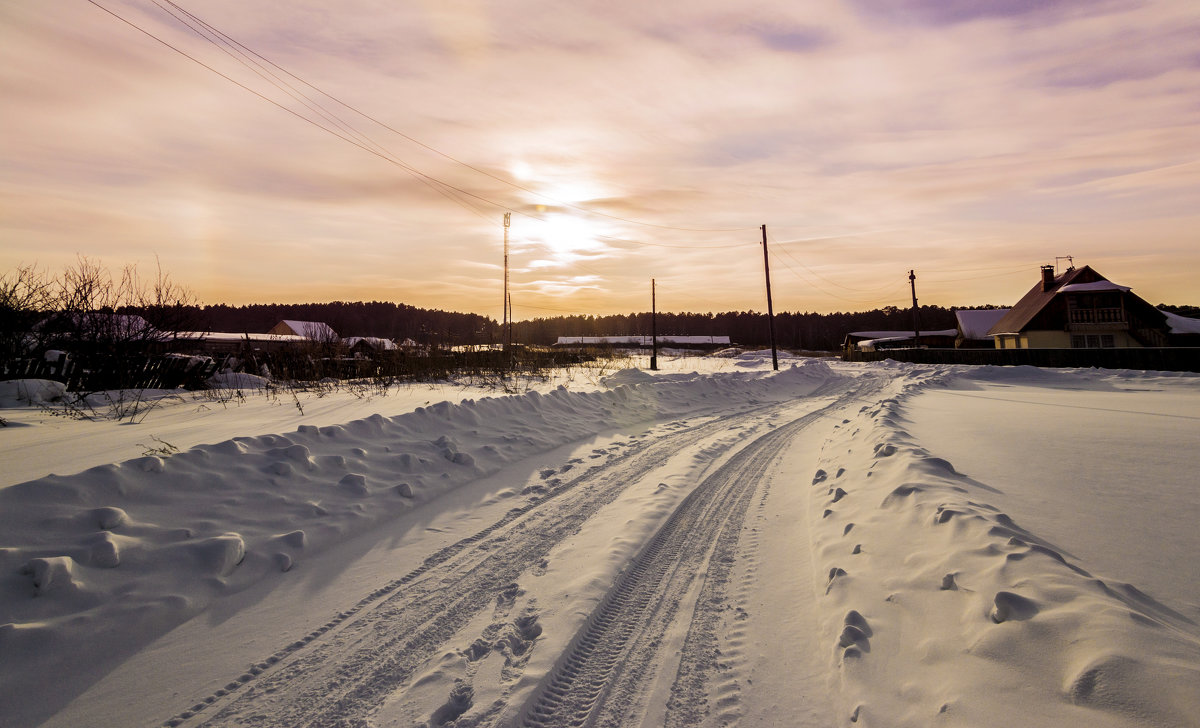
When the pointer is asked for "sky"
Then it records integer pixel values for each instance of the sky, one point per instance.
(373, 152)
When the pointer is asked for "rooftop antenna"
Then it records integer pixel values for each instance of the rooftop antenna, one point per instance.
(1070, 262)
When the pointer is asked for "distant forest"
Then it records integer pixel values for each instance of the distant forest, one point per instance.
(812, 331)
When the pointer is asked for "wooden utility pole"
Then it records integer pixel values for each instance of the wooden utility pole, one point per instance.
(912, 281)
(770, 308)
(653, 330)
(506, 327)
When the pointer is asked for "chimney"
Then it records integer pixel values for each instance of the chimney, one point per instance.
(1047, 277)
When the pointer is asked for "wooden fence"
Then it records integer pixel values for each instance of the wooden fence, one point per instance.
(104, 373)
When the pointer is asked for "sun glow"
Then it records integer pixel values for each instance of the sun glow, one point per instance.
(564, 237)
(555, 233)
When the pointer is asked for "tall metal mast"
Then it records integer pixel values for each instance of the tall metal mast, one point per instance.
(506, 327)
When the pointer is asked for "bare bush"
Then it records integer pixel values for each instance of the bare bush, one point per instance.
(27, 295)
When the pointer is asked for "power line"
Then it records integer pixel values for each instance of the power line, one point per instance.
(232, 42)
(827, 280)
(452, 192)
(230, 47)
(874, 301)
(433, 183)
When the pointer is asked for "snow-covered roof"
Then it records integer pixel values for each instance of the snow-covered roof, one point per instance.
(974, 324)
(231, 336)
(374, 342)
(900, 334)
(1181, 324)
(643, 340)
(311, 329)
(1092, 287)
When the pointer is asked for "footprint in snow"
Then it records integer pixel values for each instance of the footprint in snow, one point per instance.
(855, 635)
(462, 697)
(1010, 606)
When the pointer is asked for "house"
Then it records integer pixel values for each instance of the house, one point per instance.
(314, 330)
(1080, 309)
(973, 327)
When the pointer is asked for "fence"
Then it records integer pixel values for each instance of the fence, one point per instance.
(112, 372)
(168, 371)
(1169, 359)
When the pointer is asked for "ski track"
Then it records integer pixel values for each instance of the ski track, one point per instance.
(340, 673)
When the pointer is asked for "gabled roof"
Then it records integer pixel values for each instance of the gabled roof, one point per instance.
(975, 323)
(1031, 303)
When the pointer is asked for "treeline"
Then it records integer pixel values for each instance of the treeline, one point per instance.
(1188, 311)
(812, 331)
(395, 321)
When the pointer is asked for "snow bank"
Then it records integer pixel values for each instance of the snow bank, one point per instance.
(99, 563)
(939, 607)
(26, 392)
(237, 380)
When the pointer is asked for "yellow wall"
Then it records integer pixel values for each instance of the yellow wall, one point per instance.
(1056, 340)
(1045, 340)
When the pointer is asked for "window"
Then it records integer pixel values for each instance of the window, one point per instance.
(1092, 341)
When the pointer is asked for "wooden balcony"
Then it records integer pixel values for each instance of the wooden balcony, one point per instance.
(1097, 318)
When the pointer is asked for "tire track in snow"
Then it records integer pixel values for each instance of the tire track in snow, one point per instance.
(601, 679)
(340, 672)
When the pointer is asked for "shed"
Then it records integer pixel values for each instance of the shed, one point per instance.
(872, 340)
(313, 330)
(973, 327)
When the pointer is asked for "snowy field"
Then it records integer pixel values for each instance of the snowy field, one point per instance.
(714, 544)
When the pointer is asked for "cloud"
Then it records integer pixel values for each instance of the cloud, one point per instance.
(901, 134)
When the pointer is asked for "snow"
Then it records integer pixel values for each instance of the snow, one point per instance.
(1092, 287)
(875, 544)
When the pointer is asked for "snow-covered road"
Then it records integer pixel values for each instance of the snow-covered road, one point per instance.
(616, 655)
(737, 548)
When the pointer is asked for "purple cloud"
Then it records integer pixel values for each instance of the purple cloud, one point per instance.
(952, 12)
(794, 39)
